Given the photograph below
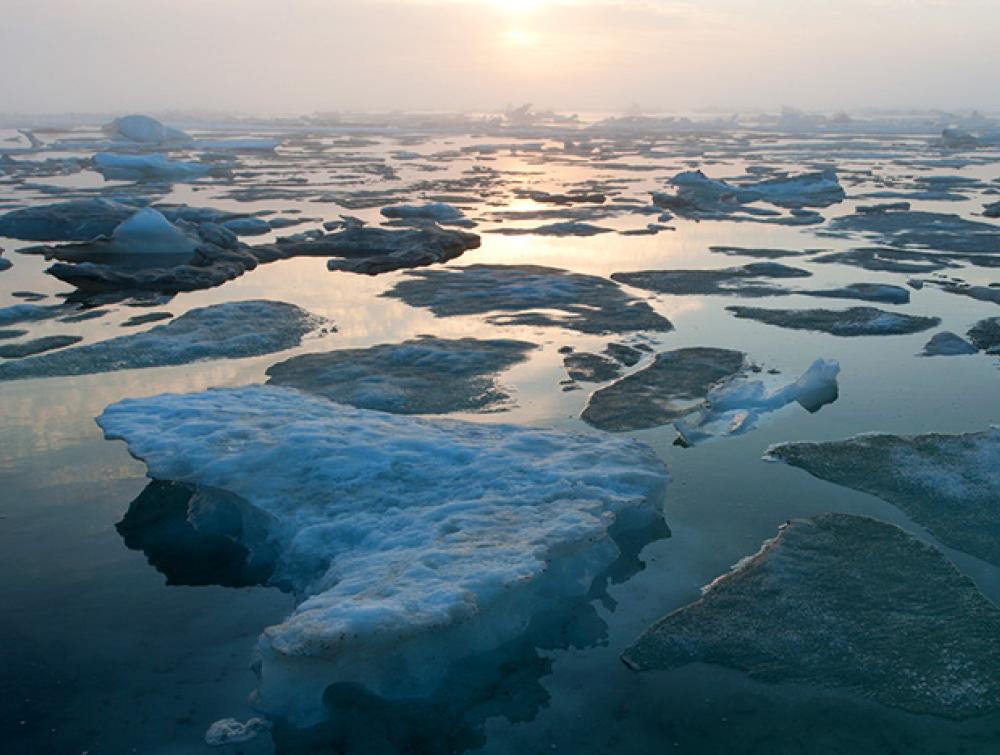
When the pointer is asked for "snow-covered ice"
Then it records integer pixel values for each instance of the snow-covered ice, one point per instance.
(411, 543)
(856, 321)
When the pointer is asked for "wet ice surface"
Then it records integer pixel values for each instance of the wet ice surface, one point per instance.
(844, 601)
(946, 483)
(99, 559)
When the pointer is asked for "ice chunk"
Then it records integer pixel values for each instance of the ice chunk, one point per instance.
(223, 331)
(569, 228)
(148, 232)
(985, 335)
(947, 483)
(116, 167)
(411, 543)
(423, 376)
(248, 226)
(530, 295)
(927, 230)
(877, 292)
(590, 368)
(672, 387)
(228, 731)
(438, 212)
(145, 130)
(76, 220)
(856, 321)
(947, 344)
(848, 602)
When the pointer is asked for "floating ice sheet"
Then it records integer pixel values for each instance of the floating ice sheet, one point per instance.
(856, 321)
(848, 602)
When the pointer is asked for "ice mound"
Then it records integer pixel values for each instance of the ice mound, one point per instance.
(747, 280)
(947, 344)
(530, 295)
(144, 130)
(846, 602)
(856, 321)
(946, 483)
(423, 376)
(115, 167)
(412, 543)
(149, 232)
(76, 220)
(672, 387)
(737, 405)
(223, 331)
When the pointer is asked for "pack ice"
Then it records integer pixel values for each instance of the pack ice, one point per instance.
(849, 602)
(222, 331)
(946, 483)
(411, 543)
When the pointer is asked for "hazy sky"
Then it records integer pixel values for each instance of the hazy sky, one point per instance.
(279, 56)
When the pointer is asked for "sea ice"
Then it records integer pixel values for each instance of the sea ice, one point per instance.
(856, 321)
(846, 602)
(36, 346)
(411, 543)
(115, 167)
(946, 483)
(424, 376)
(76, 220)
(933, 231)
(222, 331)
(529, 295)
(947, 344)
(438, 212)
(748, 280)
(674, 386)
(985, 335)
(149, 232)
(229, 731)
(145, 130)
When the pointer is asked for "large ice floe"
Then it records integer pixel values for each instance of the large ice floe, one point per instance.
(406, 378)
(946, 483)
(856, 321)
(154, 167)
(705, 392)
(411, 543)
(74, 220)
(530, 295)
(846, 602)
(221, 331)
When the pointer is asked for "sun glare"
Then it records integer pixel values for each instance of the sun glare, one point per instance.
(521, 38)
(517, 6)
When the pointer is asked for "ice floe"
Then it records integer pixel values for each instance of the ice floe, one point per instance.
(984, 335)
(222, 331)
(406, 378)
(856, 321)
(933, 231)
(946, 483)
(36, 346)
(749, 280)
(145, 130)
(75, 220)
(411, 543)
(154, 167)
(947, 344)
(529, 295)
(846, 602)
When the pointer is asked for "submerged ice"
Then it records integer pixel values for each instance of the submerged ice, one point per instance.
(411, 543)
(847, 602)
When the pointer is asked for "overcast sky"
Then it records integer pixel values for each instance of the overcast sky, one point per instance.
(298, 56)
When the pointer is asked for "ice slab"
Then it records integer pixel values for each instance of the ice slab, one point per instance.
(155, 167)
(36, 346)
(928, 230)
(846, 602)
(856, 321)
(411, 543)
(223, 331)
(672, 387)
(530, 295)
(984, 335)
(946, 483)
(748, 280)
(426, 375)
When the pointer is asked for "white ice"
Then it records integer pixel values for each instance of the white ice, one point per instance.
(118, 167)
